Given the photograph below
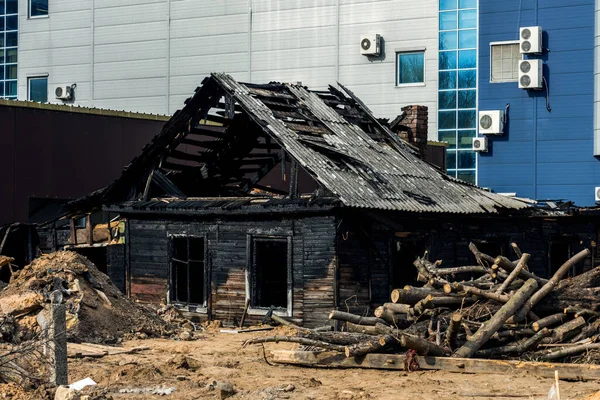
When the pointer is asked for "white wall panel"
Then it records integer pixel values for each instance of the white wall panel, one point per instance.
(54, 40)
(43, 58)
(293, 19)
(278, 5)
(183, 9)
(199, 27)
(209, 45)
(134, 51)
(130, 70)
(131, 88)
(129, 14)
(140, 32)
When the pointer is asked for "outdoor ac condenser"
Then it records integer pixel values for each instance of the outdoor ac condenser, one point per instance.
(491, 122)
(530, 40)
(530, 74)
(63, 92)
(480, 144)
(370, 45)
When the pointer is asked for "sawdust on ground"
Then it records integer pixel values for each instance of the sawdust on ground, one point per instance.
(190, 366)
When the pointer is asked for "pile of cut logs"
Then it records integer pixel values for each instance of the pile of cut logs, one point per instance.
(501, 311)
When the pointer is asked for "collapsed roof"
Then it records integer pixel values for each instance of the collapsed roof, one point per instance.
(230, 135)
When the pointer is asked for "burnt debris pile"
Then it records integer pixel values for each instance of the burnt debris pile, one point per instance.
(495, 309)
(96, 310)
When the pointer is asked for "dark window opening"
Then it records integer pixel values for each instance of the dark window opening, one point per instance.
(270, 274)
(187, 270)
(97, 255)
(404, 254)
(559, 252)
(38, 8)
(493, 248)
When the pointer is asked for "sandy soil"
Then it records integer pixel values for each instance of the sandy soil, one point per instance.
(220, 357)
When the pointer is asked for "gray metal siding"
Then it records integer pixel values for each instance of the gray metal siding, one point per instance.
(149, 55)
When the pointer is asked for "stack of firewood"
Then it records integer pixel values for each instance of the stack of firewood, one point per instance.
(496, 309)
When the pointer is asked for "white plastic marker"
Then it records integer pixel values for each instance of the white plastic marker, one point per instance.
(554, 393)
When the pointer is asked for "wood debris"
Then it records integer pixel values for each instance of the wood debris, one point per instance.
(497, 309)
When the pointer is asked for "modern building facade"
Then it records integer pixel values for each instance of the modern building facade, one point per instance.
(457, 101)
(547, 150)
(145, 55)
(458, 57)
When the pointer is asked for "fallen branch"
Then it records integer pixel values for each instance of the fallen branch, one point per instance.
(514, 273)
(547, 288)
(355, 319)
(484, 333)
(570, 351)
(296, 339)
(369, 346)
(548, 321)
(516, 348)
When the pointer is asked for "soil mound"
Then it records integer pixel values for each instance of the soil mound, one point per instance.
(97, 311)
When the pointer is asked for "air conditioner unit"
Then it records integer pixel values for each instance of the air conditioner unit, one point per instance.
(530, 40)
(480, 144)
(370, 45)
(530, 74)
(491, 122)
(64, 92)
(597, 193)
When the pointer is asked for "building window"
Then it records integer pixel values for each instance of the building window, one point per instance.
(38, 89)
(270, 273)
(504, 62)
(9, 36)
(38, 8)
(188, 276)
(410, 67)
(457, 85)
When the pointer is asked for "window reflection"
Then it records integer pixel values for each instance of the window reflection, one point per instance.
(447, 100)
(467, 98)
(447, 119)
(467, 59)
(467, 79)
(466, 118)
(448, 60)
(447, 40)
(411, 67)
(447, 80)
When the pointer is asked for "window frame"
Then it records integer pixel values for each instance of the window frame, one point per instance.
(37, 76)
(251, 239)
(29, 8)
(502, 43)
(189, 307)
(406, 51)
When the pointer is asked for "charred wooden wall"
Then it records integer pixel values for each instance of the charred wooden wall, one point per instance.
(313, 262)
(449, 241)
(115, 259)
(343, 261)
(366, 260)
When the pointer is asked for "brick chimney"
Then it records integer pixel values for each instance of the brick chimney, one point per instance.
(411, 126)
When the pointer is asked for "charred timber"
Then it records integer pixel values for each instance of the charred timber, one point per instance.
(551, 284)
(355, 319)
(484, 333)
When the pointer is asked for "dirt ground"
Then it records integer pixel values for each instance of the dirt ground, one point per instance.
(189, 366)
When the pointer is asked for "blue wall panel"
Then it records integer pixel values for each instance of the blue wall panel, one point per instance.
(543, 155)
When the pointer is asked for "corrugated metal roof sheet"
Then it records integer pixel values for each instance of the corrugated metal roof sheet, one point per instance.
(375, 174)
(224, 205)
(332, 135)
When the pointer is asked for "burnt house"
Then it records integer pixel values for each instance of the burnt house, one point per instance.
(297, 200)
